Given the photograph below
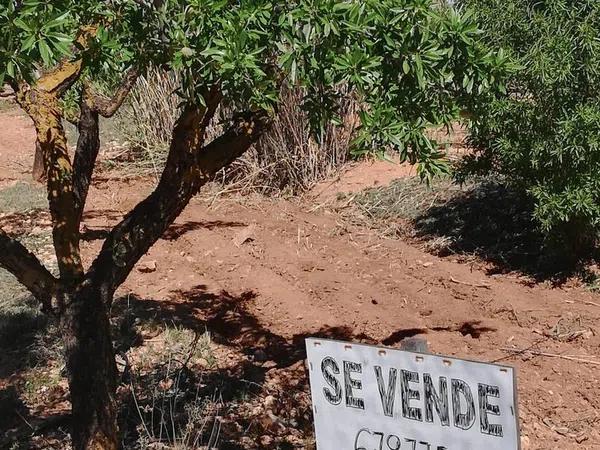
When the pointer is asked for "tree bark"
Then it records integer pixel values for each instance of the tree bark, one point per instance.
(44, 110)
(24, 265)
(88, 146)
(91, 369)
(38, 173)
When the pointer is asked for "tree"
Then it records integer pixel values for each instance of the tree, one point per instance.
(543, 133)
(412, 65)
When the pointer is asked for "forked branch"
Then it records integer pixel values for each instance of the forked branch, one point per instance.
(88, 143)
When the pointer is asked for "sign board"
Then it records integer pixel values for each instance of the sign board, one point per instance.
(370, 398)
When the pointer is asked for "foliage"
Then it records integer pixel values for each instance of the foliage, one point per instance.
(545, 133)
(412, 64)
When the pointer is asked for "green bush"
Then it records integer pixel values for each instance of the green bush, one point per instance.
(544, 132)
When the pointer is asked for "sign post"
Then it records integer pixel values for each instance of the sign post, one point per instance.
(370, 398)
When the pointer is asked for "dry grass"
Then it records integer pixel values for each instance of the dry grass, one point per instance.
(404, 198)
(19, 313)
(18, 204)
(146, 121)
(20, 316)
(22, 197)
(286, 160)
(166, 403)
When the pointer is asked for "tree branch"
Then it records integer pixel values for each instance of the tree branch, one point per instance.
(108, 107)
(44, 110)
(86, 152)
(189, 167)
(30, 272)
(60, 79)
(88, 142)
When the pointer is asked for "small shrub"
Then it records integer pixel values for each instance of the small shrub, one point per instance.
(544, 133)
(168, 404)
(287, 159)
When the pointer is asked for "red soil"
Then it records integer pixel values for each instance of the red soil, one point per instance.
(289, 272)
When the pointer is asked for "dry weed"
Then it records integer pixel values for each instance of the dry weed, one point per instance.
(288, 159)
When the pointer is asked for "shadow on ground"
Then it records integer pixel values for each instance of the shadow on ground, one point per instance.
(173, 233)
(230, 323)
(238, 388)
(258, 388)
(494, 223)
(28, 340)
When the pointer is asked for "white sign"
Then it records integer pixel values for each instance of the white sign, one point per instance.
(370, 398)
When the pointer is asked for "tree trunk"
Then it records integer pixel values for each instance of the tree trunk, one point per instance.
(91, 370)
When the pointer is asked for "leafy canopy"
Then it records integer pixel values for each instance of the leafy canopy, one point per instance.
(412, 64)
(544, 134)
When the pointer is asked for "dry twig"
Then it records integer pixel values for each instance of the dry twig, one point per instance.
(549, 355)
(479, 285)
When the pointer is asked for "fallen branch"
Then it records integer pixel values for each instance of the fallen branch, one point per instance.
(549, 355)
(585, 302)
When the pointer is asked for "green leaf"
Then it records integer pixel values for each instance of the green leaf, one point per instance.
(45, 53)
(20, 23)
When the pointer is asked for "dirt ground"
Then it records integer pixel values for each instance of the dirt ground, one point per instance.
(261, 274)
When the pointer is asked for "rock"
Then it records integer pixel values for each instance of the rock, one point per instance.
(245, 235)
(147, 267)
(269, 365)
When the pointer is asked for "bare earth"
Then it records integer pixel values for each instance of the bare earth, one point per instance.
(261, 274)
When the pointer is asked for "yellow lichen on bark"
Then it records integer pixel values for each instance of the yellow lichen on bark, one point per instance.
(43, 107)
(57, 78)
(63, 76)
